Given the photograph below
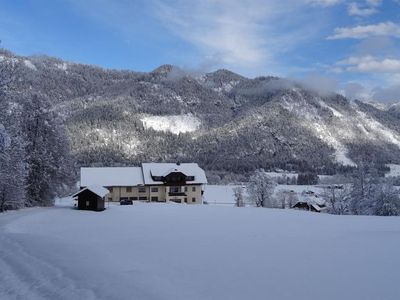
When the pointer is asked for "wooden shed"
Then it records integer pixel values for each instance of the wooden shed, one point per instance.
(91, 198)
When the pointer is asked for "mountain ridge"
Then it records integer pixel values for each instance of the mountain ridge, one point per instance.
(237, 124)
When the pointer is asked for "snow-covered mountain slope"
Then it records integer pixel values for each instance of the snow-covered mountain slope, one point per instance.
(175, 123)
(225, 121)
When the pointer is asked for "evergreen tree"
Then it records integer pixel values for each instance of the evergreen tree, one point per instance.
(12, 171)
(47, 153)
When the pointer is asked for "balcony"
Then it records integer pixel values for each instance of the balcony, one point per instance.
(176, 193)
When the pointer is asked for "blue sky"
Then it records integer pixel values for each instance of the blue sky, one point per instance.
(349, 46)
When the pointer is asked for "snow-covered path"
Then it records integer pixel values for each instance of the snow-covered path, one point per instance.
(168, 251)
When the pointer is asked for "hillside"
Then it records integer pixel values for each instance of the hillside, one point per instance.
(222, 120)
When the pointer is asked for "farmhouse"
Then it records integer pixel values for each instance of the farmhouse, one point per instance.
(156, 182)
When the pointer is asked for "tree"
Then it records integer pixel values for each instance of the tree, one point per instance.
(261, 188)
(47, 152)
(365, 184)
(387, 201)
(12, 171)
(286, 198)
(239, 198)
(337, 198)
(307, 178)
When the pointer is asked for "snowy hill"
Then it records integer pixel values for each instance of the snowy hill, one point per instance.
(169, 251)
(222, 120)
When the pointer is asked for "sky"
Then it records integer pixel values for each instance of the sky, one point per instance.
(352, 47)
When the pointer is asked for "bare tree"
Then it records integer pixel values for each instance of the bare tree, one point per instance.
(286, 198)
(239, 198)
(261, 188)
(338, 198)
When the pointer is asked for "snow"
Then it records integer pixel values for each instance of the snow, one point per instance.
(29, 65)
(163, 169)
(325, 133)
(331, 135)
(394, 170)
(171, 251)
(112, 176)
(335, 112)
(173, 123)
(97, 189)
(62, 66)
(378, 131)
(219, 194)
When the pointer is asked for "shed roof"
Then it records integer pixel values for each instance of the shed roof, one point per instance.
(118, 176)
(163, 169)
(96, 189)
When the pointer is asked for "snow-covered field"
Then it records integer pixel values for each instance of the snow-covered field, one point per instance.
(219, 194)
(173, 251)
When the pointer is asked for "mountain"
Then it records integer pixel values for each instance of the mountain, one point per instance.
(222, 120)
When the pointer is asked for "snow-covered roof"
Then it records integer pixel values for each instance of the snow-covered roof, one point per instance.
(163, 169)
(110, 176)
(97, 189)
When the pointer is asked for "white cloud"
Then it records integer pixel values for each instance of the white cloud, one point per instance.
(323, 85)
(243, 35)
(224, 30)
(387, 94)
(363, 31)
(369, 8)
(374, 3)
(324, 3)
(370, 64)
(354, 90)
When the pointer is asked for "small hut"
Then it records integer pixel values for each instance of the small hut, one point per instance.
(91, 198)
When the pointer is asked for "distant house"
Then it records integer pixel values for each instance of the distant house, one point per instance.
(156, 182)
(304, 205)
(91, 198)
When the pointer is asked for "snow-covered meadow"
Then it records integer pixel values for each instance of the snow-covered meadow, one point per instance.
(176, 251)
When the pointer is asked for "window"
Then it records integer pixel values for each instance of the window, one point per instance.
(193, 199)
(154, 190)
(87, 203)
(142, 189)
(132, 198)
(193, 189)
(185, 200)
(175, 189)
(143, 198)
(129, 189)
(110, 189)
(186, 188)
(154, 198)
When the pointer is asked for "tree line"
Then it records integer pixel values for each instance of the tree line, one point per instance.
(35, 163)
(364, 193)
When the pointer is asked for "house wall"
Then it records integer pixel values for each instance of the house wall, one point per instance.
(190, 194)
(121, 192)
(161, 194)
